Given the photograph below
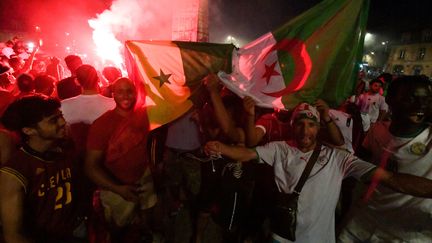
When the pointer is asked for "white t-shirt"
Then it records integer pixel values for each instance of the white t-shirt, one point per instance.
(7, 51)
(371, 105)
(24, 55)
(389, 214)
(319, 196)
(85, 108)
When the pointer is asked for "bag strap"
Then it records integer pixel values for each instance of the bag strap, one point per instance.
(308, 169)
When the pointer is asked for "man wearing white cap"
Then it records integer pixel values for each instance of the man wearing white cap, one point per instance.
(319, 195)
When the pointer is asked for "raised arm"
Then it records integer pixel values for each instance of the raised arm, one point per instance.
(11, 209)
(225, 121)
(400, 182)
(237, 153)
(97, 173)
(29, 62)
(253, 134)
(334, 134)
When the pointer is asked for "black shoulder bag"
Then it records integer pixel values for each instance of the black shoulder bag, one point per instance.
(284, 213)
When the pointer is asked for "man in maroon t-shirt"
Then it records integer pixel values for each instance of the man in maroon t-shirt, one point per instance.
(38, 190)
(117, 162)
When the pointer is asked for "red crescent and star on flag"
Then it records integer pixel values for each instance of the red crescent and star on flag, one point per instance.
(269, 72)
(302, 65)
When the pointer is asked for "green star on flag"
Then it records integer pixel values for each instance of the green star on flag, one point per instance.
(182, 65)
(163, 78)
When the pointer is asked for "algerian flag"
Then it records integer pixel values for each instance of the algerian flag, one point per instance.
(315, 55)
(168, 74)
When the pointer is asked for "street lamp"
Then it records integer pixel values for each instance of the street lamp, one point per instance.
(385, 44)
(232, 40)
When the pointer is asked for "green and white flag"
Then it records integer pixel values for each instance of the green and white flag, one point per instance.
(168, 74)
(315, 55)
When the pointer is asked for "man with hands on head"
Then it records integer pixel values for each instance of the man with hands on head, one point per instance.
(276, 127)
(318, 199)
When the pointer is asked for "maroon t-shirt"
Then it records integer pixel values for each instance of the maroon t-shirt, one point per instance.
(51, 205)
(130, 167)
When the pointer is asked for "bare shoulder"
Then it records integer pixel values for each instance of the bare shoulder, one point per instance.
(10, 182)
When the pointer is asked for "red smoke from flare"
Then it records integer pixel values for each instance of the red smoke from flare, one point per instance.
(129, 19)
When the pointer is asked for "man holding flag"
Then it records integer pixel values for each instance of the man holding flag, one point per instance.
(313, 56)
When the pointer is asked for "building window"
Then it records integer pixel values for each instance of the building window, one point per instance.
(402, 54)
(421, 53)
(417, 69)
(398, 69)
(427, 35)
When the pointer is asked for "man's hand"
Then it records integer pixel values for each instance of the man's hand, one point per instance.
(323, 109)
(127, 192)
(249, 105)
(400, 182)
(212, 83)
(213, 148)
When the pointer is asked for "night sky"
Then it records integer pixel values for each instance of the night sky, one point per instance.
(395, 16)
(386, 17)
(244, 19)
(251, 20)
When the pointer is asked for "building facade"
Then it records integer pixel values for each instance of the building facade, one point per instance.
(413, 55)
(190, 21)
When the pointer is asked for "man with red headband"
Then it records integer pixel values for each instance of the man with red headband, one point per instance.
(317, 201)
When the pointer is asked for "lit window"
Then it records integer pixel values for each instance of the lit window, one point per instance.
(398, 69)
(402, 54)
(417, 69)
(421, 53)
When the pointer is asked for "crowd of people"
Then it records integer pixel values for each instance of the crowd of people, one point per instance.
(79, 164)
